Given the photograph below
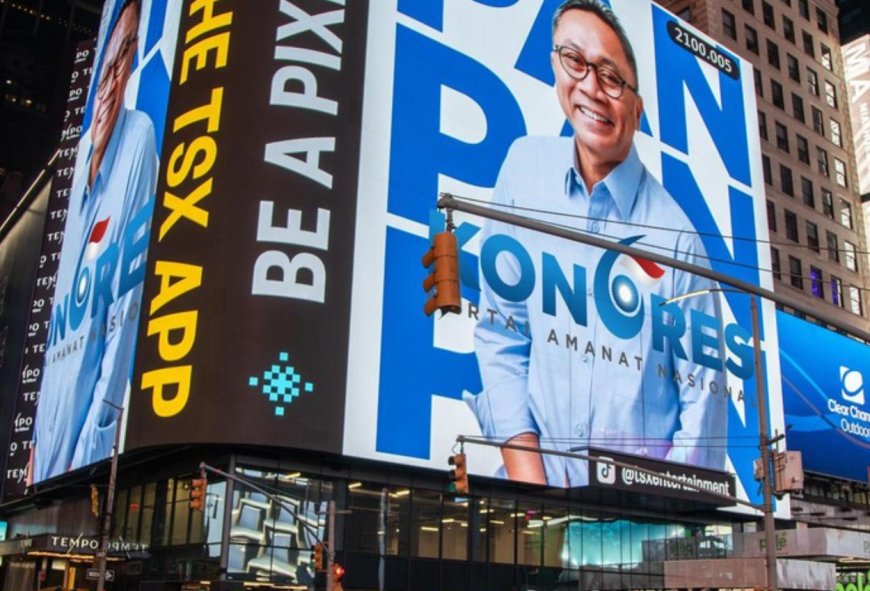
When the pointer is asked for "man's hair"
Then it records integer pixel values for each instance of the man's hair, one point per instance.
(610, 19)
(135, 5)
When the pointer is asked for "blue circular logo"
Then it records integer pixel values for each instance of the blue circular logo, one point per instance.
(625, 294)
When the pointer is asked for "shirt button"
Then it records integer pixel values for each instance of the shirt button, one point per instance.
(595, 227)
(580, 430)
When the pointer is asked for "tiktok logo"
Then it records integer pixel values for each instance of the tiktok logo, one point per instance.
(605, 470)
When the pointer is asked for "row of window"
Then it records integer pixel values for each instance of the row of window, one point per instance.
(849, 299)
(729, 28)
(841, 174)
(807, 192)
(792, 232)
(777, 97)
(803, 9)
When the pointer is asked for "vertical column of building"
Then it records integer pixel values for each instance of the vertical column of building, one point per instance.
(18, 452)
(808, 159)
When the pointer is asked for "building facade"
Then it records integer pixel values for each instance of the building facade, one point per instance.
(814, 207)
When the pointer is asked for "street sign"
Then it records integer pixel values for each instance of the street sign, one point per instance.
(94, 574)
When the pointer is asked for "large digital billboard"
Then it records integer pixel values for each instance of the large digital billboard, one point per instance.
(826, 409)
(305, 146)
(95, 306)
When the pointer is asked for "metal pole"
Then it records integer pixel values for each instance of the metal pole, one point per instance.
(110, 500)
(764, 444)
(330, 541)
(448, 201)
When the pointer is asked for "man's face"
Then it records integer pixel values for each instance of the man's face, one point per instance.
(114, 73)
(604, 127)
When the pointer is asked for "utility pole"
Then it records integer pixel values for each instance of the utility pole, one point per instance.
(110, 500)
(764, 444)
(330, 540)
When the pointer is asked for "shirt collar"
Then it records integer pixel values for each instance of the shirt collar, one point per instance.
(622, 183)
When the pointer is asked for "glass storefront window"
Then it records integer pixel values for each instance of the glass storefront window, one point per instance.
(454, 529)
(380, 510)
(500, 530)
(425, 522)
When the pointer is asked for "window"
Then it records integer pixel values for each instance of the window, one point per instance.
(846, 214)
(751, 39)
(787, 28)
(809, 47)
(818, 121)
(827, 203)
(840, 173)
(772, 54)
(776, 94)
(759, 85)
(748, 6)
(803, 149)
(822, 158)
(817, 287)
(762, 125)
(807, 195)
(786, 180)
(774, 263)
(767, 14)
(822, 20)
(791, 228)
(813, 237)
(794, 70)
(855, 300)
(728, 25)
(804, 9)
(830, 94)
(812, 82)
(797, 107)
(836, 291)
(781, 136)
(833, 246)
(765, 166)
(826, 57)
(849, 256)
(796, 272)
(686, 14)
(771, 216)
(836, 137)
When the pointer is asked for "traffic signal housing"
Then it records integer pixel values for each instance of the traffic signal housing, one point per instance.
(317, 549)
(442, 259)
(337, 574)
(197, 493)
(95, 500)
(459, 473)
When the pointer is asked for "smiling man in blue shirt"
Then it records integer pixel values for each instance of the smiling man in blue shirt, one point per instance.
(550, 381)
(99, 279)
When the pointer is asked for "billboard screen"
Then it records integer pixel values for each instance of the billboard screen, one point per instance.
(97, 287)
(826, 410)
(282, 300)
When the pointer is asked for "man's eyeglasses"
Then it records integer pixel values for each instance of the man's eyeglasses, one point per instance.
(114, 68)
(577, 67)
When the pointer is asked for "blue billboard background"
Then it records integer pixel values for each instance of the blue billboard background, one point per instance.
(826, 408)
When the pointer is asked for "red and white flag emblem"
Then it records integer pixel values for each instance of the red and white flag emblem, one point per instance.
(96, 238)
(643, 271)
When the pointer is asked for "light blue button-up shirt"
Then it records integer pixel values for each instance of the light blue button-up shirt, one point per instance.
(95, 312)
(579, 385)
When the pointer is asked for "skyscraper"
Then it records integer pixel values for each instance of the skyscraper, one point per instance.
(813, 205)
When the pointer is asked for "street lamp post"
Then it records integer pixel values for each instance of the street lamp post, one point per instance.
(110, 501)
(763, 435)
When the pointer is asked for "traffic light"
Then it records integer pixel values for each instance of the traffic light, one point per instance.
(317, 549)
(197, 493)
(95, 500)
(459, 474)
(442, 259)
(337, 575)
